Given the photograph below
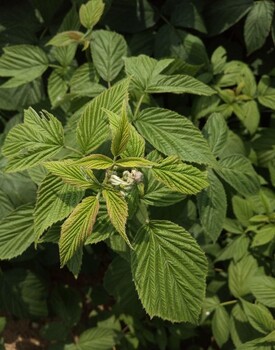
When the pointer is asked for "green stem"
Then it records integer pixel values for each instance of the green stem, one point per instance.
(138, 106)
(54, 66)
(229, 302)
(74, 150)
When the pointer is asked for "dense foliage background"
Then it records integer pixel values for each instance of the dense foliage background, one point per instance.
(185, 66)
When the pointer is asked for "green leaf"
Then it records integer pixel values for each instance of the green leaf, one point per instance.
(66, 303)
(216, 133)
(266, 93)
(72, 173)
(108, 49)
(147, 78)
(180, 177)
(55, 201)
(263, 288)
(95, 161)
(74, 264)
(90, 13)
(77, 227)
(240, 274)
(85, 81)
(169, 271)
(118, 282)
(258, 24)
(97, 338)
(187, 14)
(259, 317)
(240, 329)
(118, 211)
(23, 63)
(6, 205)
(143, 69)
(220, 326)
(178, 84)
(220, 16)
(235, 249)
(28, 298)
(239, 173)
(93, 128)
(120, 127)
(38, 139)
(212, 207)
(16, 232)
(173, 134)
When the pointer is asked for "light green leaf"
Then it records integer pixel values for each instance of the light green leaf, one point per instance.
(266, 93)
(212, 207)
(16, 232)
(258, 24)
(120, 127)
(216, 133)
(264, 235)
(239, 173)
(240, 274)
(135, 162)
(263, 288)
(108, 49)
(220, 325)
(235, 249)
(249, 115)
(180, 177)
(143, 69)
(55, 201)
(242, 209)
(178, 84)
(259, 317)
(95, 161)
(77, 227)
(157, 194)
(85, 81)
(118, 211)
(99, 338)
(28, 144)
(147, 78)
(91, 12)
(102, 229)
(173, 134)
(72, 173)
(23, 63)
(135, 146)
(57, 88)
(66, 38)
(93, 128)
(169, 271)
